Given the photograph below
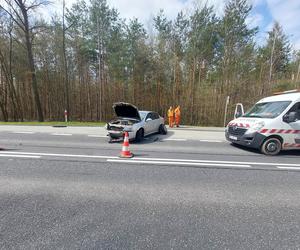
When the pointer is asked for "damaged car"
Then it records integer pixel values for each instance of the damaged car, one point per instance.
(137, 123)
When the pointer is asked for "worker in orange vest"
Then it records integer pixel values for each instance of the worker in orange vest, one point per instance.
(171, 116)
(177, 116)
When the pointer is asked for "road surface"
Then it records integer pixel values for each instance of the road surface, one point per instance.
(66, 188)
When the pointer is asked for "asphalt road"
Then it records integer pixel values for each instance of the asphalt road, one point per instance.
(66, 188)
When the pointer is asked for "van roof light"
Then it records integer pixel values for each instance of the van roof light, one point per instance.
(287, 92)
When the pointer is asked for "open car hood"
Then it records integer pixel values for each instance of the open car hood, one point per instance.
(126, 110)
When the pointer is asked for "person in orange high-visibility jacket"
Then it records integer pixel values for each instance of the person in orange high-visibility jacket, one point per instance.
(171, 116)
(177, 116)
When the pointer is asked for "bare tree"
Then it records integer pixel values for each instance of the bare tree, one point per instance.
(19, 11)
(66, 75)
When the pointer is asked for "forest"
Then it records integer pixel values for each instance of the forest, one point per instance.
(86, 57)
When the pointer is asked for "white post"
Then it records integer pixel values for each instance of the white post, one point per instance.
(226, 107)
(66, 116)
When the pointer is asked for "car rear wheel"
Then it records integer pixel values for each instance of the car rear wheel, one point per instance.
(139, 135)
(162, 129)
(271, 146)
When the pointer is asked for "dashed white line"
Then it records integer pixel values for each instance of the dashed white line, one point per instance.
(63, 155)
(159, 161)
(220, 162)
(174, 139)
(20, 156)
(288, 168)
(180, 163)
(211, 141)
(24, 132)
(61, 134)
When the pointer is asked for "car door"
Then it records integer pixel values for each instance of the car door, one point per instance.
(156, 121)
(151, 123)
(148, 124)
(294, 135)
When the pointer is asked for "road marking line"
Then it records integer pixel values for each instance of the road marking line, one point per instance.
(162, 160)
(222, 162)
(64, 155)
(62, 134)
(211, 141)
(20, 156)
(174, 140)
(291, 168)
(23, 132)
(180, 163)
(97, 136)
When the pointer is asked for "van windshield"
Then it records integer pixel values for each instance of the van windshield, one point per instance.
(267, 109)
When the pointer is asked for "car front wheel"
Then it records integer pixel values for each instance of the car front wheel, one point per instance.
(139, 135)
(271, 146)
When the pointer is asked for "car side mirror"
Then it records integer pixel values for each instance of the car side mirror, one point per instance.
(290, 117)
(148, 119)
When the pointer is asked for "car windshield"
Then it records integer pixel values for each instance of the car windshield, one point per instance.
(143, 114)
(267, 109)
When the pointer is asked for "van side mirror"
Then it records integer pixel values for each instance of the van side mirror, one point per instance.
(290, 117)
(239, 110)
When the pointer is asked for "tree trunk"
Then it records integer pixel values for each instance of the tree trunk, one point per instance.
(298, 72)
(66, 76)
(31, 65)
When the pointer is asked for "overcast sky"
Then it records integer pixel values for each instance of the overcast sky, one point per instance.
(286, 12)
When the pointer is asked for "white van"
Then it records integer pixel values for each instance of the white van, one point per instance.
(271, 125)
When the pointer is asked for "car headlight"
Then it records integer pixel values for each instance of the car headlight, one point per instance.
(256, 127)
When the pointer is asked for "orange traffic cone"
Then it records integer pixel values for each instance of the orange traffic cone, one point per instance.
(125, 153)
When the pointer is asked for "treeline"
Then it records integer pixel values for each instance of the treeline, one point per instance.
(89, 57)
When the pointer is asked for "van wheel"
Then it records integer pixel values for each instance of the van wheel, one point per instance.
(139, 135)
(271, 146)
(162, 129)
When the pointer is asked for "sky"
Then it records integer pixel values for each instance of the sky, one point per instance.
(263, 14)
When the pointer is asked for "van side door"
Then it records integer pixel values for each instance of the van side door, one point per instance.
(294, 123)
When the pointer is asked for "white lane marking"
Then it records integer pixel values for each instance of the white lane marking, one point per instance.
(287, 168)
(97, 136)
(20, 156)
(218, 141)
(174, 139)
(180, 163)
(278, 165)
(211, 141)
(221, 162)
(24, 132)
(64, 155)
(61, 134)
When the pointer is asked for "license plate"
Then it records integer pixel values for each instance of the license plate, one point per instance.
(233, 138)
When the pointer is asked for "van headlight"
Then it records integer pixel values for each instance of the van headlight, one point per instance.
(256, 127)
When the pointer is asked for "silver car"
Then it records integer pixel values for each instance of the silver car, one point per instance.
(137, 123)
